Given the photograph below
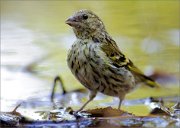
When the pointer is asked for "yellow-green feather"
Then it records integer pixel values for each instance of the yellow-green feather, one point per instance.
(147, 80)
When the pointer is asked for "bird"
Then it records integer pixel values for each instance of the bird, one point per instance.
(97, 62)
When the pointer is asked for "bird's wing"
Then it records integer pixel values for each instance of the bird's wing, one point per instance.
(118, 59)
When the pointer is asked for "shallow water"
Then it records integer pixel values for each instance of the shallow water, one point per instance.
(148, 32)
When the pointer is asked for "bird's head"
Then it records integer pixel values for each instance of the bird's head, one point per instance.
(85, 24)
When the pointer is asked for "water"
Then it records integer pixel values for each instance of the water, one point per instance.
(34, 31)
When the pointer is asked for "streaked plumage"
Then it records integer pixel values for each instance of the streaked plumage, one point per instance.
(97, 62)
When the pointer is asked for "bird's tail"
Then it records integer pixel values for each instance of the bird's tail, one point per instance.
(150, 82)
(143, 78)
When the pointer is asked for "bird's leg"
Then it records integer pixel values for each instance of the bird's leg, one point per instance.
(92, 95)
(121, 98)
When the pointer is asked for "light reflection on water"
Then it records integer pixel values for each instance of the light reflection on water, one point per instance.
(27, 36)
(18, 85)
(17, 51)
(17, 48)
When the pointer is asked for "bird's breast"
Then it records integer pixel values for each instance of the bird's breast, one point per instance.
(83, 59)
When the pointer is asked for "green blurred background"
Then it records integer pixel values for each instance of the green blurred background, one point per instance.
(146, 31)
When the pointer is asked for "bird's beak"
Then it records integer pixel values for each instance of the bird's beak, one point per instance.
(71, 21)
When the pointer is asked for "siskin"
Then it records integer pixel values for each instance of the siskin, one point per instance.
(97, 62)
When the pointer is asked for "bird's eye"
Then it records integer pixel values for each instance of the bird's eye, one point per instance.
(85, 17)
